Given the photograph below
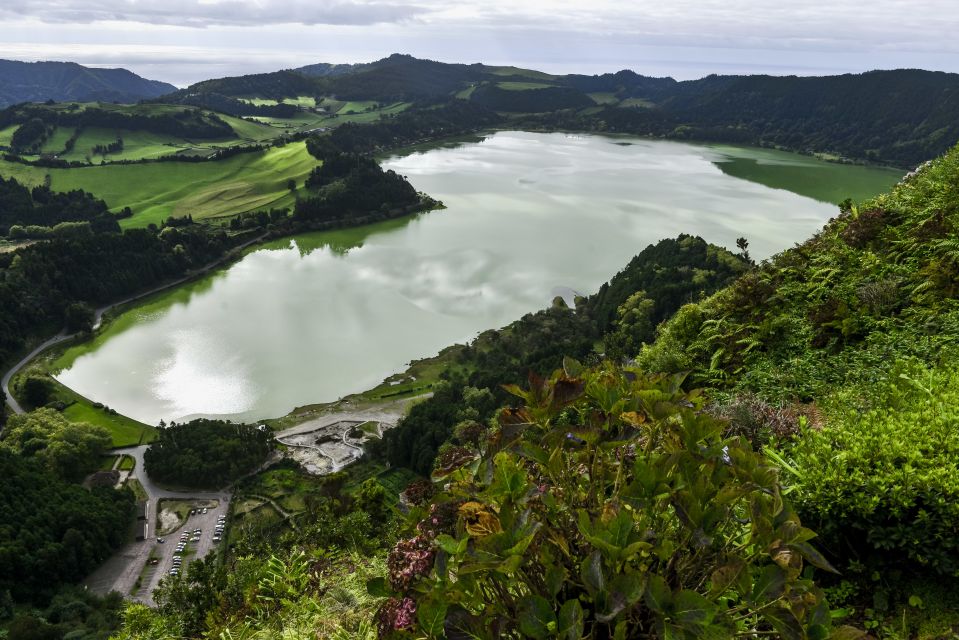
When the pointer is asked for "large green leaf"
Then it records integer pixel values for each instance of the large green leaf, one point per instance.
(591, 571)
(785, 622)
(658, 596)
(570, 623)
(692, 610)
(431, 615)
(536, 617)
(811, 554)
(723, 577)
(769, 585)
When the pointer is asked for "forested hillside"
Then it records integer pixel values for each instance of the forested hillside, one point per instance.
(899, 117)
(63, 81)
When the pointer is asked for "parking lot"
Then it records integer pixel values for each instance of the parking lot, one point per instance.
(195, 545)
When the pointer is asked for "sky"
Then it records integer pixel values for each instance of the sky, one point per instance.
(184, 41)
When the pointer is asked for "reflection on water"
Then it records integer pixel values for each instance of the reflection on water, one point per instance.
(319, 316)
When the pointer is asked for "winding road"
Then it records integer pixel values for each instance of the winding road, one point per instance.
(63, 336)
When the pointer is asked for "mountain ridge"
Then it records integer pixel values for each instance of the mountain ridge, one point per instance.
(68, 81)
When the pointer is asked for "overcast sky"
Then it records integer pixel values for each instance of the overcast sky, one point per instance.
(183, 41)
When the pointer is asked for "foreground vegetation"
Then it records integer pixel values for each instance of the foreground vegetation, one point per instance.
(826, 379)
(674, 497)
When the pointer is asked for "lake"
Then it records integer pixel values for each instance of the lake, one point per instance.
(529, 216)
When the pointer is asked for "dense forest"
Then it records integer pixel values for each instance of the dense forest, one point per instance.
(493, 97)
(53, 531)
(671, 273)
(206, 453)
(20, 205)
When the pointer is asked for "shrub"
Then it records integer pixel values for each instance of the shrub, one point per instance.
(609, 506)
(881, 480)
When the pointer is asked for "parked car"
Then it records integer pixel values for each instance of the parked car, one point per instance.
(161, 540)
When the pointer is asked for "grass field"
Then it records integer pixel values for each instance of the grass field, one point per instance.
(517, 71)
(138, 145)
(204, 190)
(522, 86)
(127, 463)
(357, 106)
(300, 101)
(125, 432)
(367, 116)
(58, 141)
(603, 98)
(636, 102)
(466, 93)
(6, 135)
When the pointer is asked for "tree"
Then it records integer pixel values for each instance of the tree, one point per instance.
(372, 499)
(36, 390)
(743, 245)
(68, 449)
(633, 326)
(291, 184)
(79, 317)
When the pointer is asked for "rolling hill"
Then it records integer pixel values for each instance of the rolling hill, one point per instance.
(62, 81)
(898, 117)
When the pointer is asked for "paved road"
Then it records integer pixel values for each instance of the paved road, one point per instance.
(120, 573)
(98, 319)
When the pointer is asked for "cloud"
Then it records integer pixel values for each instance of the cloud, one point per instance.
(192, 13)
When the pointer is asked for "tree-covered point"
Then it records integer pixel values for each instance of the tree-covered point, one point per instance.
(53, 532)
(670, 273)
(39, 206)
(349, 185)
(456, 117)
(207, 453)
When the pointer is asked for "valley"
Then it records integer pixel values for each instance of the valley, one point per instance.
(416, 349)
(402, 290)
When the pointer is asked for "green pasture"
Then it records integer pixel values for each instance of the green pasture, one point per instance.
(300, 101)
(602, 97)
(357, 106)
(466, 93)
(155, 191)
(517, 71)
(6, 135)
(522, 86)
(56, 143)
(364, 117)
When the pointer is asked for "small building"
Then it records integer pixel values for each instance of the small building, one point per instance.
(143, 510)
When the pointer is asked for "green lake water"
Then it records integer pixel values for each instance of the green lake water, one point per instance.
(529, 216)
